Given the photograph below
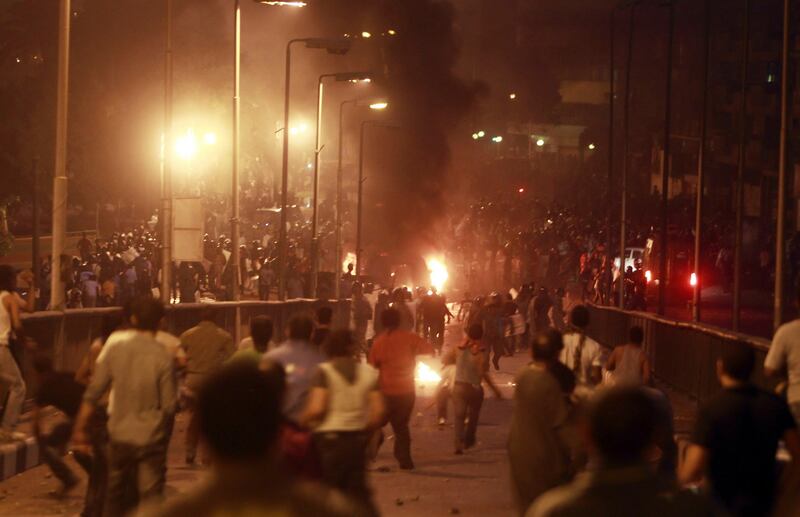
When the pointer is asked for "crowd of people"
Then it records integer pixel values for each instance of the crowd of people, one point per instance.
(589, 433)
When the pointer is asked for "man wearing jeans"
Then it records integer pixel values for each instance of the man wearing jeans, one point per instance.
(394, 355)
(141, 406)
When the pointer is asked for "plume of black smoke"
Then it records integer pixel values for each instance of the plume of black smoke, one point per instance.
(428, 101)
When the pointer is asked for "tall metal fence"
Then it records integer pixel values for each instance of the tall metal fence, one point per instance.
(683, 355)
(66, 336)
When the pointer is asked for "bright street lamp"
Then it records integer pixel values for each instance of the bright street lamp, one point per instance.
(281, 4)
(379, 105)
(186, 146)
(497, 139)
(332, 46)
(540, 142)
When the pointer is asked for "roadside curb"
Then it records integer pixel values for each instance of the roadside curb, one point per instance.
(17, 457)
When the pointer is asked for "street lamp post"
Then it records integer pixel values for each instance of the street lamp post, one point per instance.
(165, 218)
(340, 77)
(662, 270)
(339, 181)
(740, 170)
(625, 153)
(333, 46)
(60, 168)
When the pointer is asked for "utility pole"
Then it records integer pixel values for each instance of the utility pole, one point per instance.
(166, 176)
(609, 253)
(35, 255)
(780, 234)
(662, 285)
(737, 252)
(701, 166)
(60, 168)
(625, 153)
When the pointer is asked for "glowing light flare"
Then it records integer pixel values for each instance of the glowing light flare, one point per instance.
(186, 146)
(391, 32)
(540, 142)
(438, 272)
(366, 34)
(350, 258)
(693, 280)
(475, 136)
(521, 190)
(497, 139)
(300, 128)
(512, 96)
(283, 3)
(648, 276)
(210, 138)
(592, 147)
(424, 374)
(379, 105)
(481, 134)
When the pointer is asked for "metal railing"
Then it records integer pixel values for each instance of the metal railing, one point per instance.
(683, 355)
(66, 336)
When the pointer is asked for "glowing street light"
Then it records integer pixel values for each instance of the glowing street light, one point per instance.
(282, 4)
(592, 147)
(540, 142)
(475, 136)
(186, 146)
(512, 96)
(481, 134)
(382, 105)
(366, 34)
(391, 32)
(497, 139)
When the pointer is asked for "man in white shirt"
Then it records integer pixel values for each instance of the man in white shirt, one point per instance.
(582, 354)
(783, 359)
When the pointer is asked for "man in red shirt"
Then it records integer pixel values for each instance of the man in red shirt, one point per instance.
(394, 354)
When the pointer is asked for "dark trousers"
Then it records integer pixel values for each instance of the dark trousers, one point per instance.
(51, 449)
(97, 487)
(135, 474)
(193, 427)
(343, 458)
(467, 402)
(398, 414)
